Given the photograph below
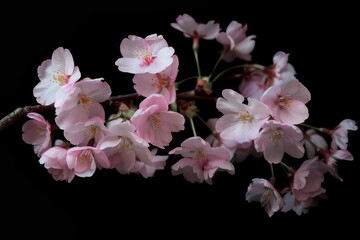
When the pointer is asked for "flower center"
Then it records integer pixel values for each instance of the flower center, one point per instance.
(284, 101)
(163, 81)
(85, 102)
(59, 77)
(147, 58)
(85, 156)
(91, 131)
(276, 135)
(200, 155)
(244, 116)
(267, 196)
(125, 145)
(155, 121)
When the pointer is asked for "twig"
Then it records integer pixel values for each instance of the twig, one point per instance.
(18, 113)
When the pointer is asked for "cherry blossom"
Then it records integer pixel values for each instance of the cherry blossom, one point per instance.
(287, 101)
(261, 190)
(313, 142)
(201, 161)
(162, 83)
(236, 43)
(299, 207)
(82, 102)
(340, 133)
(276, 138)
(55, 73)
(131, 133)
(308, 179)
(254, 83)
(37, 131)
(82, 132)
(83, 160)
(240, 122)
(281, 69)
(148, 169)
(144, 55)
(155, 123)
(54, 160)
(191, 29)
(331, 157)
(124, 148)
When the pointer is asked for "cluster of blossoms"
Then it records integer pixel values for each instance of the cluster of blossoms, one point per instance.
(263, 118)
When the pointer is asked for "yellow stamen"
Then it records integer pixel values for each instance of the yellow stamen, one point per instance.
(91, 131)
(162, 81)
(244, 116)
(125, 145)
(155, 121)
(200, 154)
(59, 77)
(276, 135)
(85, 156)
(84, 102)
(284, 101)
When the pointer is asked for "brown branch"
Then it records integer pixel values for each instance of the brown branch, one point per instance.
(192, 96)
(122, 98)
(20, 112)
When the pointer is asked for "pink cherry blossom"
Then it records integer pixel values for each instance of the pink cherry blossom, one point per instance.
(82, 132)
(149, 55)
(84, 160)
(240, 122)
(37, 132)
(162, 83)
(238, 151)
(277, 138)
(313, 142)
(147, 169)
(308, 179)
(82, 102)
(281, 69)
(331, 157)
(192, 29)
(287, 101)
(54, 73)
(299, 207)
(236, 43)
(254, 83)
(124, 148)
(244, 150)
(54, 160)
(215, 140)
(155, 123)
(261, 190)
(201, 161)
(340, 133)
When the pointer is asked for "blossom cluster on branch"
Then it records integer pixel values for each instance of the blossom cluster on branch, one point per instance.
(263, 118)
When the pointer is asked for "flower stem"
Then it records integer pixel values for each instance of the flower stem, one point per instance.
(257, 66)
(192, 126)
(205, 123)
(196, 49)
(309, 126)
(217, 63)
(288, 168)
(272, 179)
(227, 70)
(184, 80)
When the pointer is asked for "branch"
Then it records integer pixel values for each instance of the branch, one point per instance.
(192, 96)
(18, 113)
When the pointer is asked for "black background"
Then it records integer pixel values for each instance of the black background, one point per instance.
(323, 47)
